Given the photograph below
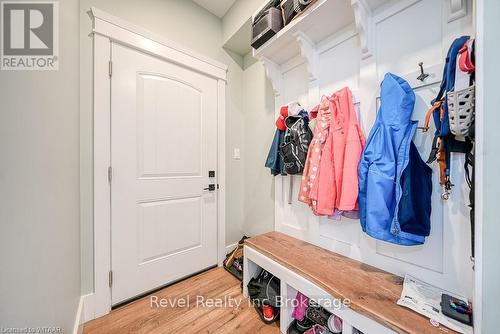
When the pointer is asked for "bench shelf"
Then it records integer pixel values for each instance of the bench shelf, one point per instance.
(321, 274)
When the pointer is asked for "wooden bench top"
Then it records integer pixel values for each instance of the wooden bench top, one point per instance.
(372, 292)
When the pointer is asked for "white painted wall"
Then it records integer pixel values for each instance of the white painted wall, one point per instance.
(186, 24)
(487, 180)
(39, 210)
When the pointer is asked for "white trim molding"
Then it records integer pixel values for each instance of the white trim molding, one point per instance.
(458, 9)
(108, 30)
(102, 161)
(88, 307)
(221, 171)
(309, 52)
(362, 17)
(79, 318)
(123, 32)
(231, 247)
(273, 73)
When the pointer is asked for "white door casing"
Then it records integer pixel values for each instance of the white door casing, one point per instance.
(163, 145)
(107, 31)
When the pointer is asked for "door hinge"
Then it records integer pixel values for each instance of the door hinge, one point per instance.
(110, 68)
(110, 173)
(110, 278)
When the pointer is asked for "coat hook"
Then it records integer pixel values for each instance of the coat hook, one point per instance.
(422, 75)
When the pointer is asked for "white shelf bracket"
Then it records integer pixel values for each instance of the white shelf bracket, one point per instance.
(362, 16)
(458, 9)
(273, 73)
(309, 52)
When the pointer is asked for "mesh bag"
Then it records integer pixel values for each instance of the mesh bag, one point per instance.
(461, 107)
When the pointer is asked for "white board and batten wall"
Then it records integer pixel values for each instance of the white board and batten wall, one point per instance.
(383, 36)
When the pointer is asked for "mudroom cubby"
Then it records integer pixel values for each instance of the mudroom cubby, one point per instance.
(330, 304)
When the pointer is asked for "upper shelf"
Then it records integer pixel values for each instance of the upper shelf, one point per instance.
(320, 20)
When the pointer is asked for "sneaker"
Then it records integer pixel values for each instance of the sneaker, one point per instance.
(335, 324)
(304, 325)
(268, 312)
(318, 329)
(317, 314)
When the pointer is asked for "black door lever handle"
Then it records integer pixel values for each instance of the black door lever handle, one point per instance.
(211, 187)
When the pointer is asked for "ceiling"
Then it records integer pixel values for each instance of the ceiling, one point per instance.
(217, 7)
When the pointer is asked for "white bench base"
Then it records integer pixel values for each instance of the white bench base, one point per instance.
(292, 282)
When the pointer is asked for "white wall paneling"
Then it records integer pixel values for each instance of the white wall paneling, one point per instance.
(380, 37)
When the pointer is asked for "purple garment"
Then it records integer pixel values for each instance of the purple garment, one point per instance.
(351, 214)
(301, 304)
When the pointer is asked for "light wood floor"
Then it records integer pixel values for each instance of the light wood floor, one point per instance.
(140, 317)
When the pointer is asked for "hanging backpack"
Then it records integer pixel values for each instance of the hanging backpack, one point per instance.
(294, 148)
(453, 114)
(444, 141)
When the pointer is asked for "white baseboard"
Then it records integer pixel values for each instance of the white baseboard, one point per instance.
(231, 247)
(78, 326)
(88, 307)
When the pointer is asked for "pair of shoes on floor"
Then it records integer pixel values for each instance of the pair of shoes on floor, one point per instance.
(306, 327)
(268, 314)
(318, 329)
(313, 319)
(317, 314)
(299, 327)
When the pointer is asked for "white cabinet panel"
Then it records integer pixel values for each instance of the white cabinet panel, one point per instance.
(337, 67)
(410, 36)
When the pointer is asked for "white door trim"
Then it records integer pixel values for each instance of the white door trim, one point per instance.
(108, 29)
(129, 34)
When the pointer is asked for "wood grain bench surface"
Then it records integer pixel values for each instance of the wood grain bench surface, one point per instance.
(372, 292)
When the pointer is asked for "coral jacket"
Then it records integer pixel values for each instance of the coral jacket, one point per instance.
(330, 180)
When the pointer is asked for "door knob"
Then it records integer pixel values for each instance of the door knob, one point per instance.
(211, 187)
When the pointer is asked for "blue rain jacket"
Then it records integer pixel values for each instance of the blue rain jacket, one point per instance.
(415, 205)
(382, 185)
(274, 161)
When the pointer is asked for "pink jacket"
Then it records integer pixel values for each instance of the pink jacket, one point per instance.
(310, 175)
(330, 179)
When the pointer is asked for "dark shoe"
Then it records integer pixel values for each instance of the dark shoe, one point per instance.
(317, 314)
(304, 325)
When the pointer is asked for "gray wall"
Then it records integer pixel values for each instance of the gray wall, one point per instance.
(237, 15)
(259, 130)
(186, 24)
(39, 197)
(258, 108)
(490, 247)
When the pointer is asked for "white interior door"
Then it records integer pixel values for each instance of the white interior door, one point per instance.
(163, 145)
